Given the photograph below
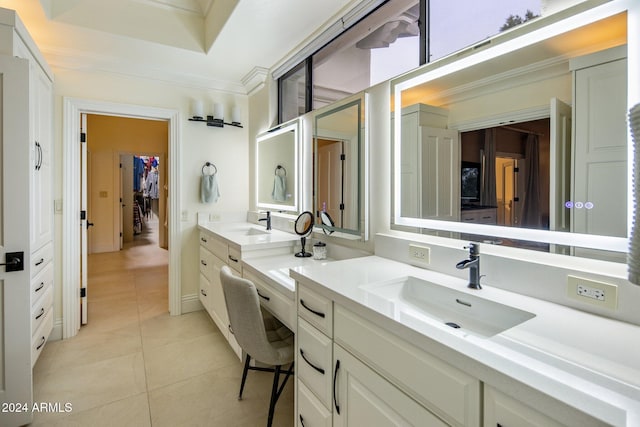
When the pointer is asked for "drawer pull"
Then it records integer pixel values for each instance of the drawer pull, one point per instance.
(203, 292)
(317, 313)
(39, 287)
(40, 314)
(301, 421)
(264, 297)
(203, 240)
(203, 263)
(40, 262)
(335, 392)
(311, 364)
(233, 259)
(44, 340)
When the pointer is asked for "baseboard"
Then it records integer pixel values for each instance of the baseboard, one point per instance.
(56, 331)
(191, 303)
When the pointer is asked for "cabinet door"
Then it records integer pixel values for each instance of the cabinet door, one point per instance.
(364, 398)
(204, 293)
(501, 410)
(218, 308)
(42, 190)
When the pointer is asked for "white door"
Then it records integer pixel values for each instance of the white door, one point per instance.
(84, 222)
(560, 157)
(15, 324)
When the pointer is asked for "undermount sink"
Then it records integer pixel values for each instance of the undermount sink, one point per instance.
(247, 231)
(255, 232)
(411, 299)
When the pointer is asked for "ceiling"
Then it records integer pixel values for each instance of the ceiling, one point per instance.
(213, 44)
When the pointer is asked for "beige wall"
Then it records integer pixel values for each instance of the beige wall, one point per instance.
(226, 147)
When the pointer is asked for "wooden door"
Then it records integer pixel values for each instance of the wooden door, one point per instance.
(18, 159)
(330, 173)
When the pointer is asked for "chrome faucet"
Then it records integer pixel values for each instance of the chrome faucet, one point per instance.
(268, 219)
(473, 264)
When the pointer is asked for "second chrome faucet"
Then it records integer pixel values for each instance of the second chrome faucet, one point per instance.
(473, 264)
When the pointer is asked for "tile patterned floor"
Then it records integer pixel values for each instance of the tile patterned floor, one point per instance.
(134, 365)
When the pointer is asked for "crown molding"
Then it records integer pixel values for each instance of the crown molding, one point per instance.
(255, 80)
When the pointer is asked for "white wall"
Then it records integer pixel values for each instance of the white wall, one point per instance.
(227, 147)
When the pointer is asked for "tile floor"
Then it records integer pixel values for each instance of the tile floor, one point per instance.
(134, 365)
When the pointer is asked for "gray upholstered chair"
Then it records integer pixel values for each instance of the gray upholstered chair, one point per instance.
(261, 336)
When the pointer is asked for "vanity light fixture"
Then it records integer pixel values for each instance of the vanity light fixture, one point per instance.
(217, 119)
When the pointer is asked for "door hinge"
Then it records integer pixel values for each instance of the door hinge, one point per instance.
(516, 199)
(343, 157)
(120, 234)
(120, 165)
(83, 292)
(341, 206)
(516, 170)
(83, 215)
(83, 137)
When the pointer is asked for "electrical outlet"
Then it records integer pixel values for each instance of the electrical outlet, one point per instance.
(185, 215)
(214, 216)
(420, 254)
(593, 292)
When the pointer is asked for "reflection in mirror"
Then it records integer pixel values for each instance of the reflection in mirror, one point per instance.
(337, 141)
(488, 150)
(277, 169)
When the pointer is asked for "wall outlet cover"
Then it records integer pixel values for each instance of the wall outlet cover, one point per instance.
(592, 292)
(419, 254)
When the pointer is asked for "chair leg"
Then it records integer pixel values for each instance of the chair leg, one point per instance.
(274, 395)
(244, 375)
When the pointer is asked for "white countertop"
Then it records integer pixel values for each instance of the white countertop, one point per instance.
(275, 270)
(249, 236)
(588, 362)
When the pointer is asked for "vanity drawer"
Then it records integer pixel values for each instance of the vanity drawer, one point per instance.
(315, 361)
(41, 336)
(446, 391)
(40, 283)
(216, 246)
(279, 305)
(233, 259)
(39, 311)
(204, 293)
(316, 309)
(206, 263)
(41, 258)
(311, 413)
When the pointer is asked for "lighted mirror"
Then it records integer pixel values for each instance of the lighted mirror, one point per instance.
(277, 169)
(524, 143)
(338, 146)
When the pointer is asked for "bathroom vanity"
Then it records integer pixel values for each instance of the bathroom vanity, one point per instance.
(368, 327)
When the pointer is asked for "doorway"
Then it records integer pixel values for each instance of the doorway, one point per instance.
(72, 222)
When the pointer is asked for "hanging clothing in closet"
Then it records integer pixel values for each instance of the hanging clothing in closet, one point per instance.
(152, 183)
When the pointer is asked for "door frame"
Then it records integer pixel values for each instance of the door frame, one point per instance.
(72, 108)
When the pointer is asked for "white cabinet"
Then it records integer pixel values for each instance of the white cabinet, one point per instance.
(364, 398)
(27, 212)
(429, 164)
(214, 253)
(364, 375)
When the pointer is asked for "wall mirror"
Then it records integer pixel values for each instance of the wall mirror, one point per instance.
(338, 150)
(277, 186)
(524, 143)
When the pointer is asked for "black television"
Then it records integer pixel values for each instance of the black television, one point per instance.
(470, 181)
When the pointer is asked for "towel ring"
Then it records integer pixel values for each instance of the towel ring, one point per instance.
(209, 164)
(280, 167)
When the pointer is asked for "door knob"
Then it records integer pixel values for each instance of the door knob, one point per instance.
(14, 261)
(89, 224)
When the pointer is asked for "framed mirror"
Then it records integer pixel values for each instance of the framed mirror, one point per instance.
(523, 143)
(277, 160)
(338, 150)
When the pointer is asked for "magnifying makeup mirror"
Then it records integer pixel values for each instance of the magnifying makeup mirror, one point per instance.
(303, 228)
(328, 221)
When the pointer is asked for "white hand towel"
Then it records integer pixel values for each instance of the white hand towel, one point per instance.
(209, 192)
(279, 193)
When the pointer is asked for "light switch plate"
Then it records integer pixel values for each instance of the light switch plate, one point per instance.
(593, 292)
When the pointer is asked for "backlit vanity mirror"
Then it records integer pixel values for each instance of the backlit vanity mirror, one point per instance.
(338, 147)
(524, 143)
(277, 169)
